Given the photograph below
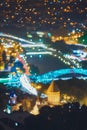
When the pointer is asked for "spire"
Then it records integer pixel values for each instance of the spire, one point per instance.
(53, 87)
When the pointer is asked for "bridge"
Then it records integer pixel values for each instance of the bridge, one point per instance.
(63, 74)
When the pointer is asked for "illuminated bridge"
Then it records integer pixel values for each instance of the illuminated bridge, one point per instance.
(63, 74)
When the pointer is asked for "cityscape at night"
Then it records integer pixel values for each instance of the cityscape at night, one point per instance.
(43, 64)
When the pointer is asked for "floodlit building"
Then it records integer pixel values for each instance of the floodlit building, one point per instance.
(53, 94)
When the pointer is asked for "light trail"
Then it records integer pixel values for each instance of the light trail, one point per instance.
(16, 38)
(38, 53)
(24, 45)
(48, 77)
(36, 45)
(25, 82)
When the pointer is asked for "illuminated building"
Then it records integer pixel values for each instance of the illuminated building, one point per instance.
(53, 94)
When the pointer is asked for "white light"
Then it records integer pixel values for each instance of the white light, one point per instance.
(16, 38)
(8, 111)
(73, 31)
(16, 124)
(30, 46)
(26, 84)
(37, 53)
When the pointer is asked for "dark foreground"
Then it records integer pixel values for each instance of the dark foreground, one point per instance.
(71, 116)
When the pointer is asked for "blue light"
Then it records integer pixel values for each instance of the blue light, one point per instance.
(16, 124)
(55, 13)
(48, 77)
(40, 40)
(40, 56)
(31, 56)
(51, 2)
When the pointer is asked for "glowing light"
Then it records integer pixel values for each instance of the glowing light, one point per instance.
(30, 46)
(37, 53)
(16, 124)
(55, 75)
(26, 84)
(4, 80)
(16, 38)
(40, 33)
